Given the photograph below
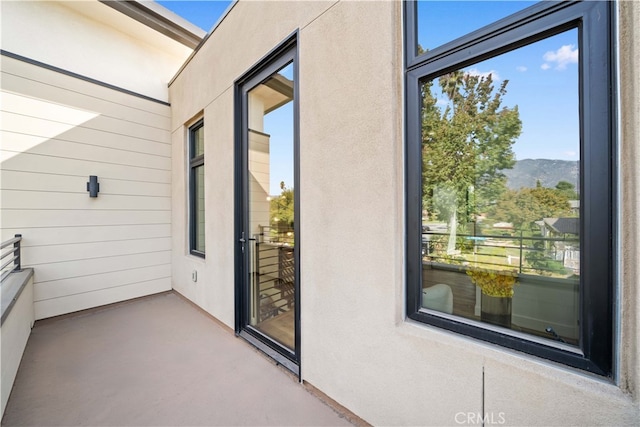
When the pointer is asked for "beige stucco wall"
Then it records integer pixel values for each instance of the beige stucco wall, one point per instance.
(93, 40)
(206, 86)
(629, 175)
(357, 346)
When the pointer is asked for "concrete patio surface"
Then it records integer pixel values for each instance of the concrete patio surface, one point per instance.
(154, 361)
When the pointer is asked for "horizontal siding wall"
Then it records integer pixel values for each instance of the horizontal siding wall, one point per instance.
(56, 131)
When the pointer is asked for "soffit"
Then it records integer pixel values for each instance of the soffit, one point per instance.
(106, 15)
(275, 92)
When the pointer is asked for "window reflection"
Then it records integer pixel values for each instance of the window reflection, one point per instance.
(199, 209)
(500, 185)
(272, 241)
(442, 21)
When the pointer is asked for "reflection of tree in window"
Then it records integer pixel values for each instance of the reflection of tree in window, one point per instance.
(282, 214)
(467, 139)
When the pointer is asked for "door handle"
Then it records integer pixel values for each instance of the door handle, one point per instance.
(243, 241)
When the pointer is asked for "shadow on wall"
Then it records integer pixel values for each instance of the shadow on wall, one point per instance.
(57, 131)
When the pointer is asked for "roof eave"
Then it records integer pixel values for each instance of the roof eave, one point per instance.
(160, 19)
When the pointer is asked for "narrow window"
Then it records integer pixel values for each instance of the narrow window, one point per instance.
(196, 189)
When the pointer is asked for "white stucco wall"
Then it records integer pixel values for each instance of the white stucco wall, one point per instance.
(357, 346)
(93, 40)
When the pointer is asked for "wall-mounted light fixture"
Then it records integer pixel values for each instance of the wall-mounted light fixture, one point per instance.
(93, 187)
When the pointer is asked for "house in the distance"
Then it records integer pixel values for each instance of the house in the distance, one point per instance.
(566, 245)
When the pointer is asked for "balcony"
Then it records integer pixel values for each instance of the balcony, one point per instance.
(156, 360)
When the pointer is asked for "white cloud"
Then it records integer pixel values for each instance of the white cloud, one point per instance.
(570, 153)
(567, 54)
(521, 68)
(494, 74)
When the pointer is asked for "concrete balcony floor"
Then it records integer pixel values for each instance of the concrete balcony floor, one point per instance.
(149, 362)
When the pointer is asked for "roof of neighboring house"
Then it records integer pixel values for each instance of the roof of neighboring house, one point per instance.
(505, 225)
(564, 225)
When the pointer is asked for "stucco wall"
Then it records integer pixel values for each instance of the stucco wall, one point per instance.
(629, 175)
(357, 346)
(56, 131)
(206, 87)
(94, 40)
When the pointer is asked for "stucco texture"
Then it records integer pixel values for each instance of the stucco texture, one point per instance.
(629, 175)
(357, 346)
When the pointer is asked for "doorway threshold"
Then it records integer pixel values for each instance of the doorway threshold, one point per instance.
(278, 357)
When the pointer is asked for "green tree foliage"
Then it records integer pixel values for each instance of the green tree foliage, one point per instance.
(523, 207)
(543, 265)
(567, 189)
(466, 137)
(282, 208)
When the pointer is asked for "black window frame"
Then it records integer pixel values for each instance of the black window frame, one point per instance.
(195, 161)
(594, 21)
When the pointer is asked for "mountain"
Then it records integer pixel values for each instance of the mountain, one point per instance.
(549, 172)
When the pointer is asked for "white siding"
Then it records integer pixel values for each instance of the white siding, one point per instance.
(92, 39)
(56, 131)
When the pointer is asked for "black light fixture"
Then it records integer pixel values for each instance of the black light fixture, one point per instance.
(93, 187)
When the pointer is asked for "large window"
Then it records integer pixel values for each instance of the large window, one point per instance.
(509, 175)
(196, 189)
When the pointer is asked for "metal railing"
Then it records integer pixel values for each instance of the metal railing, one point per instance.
(12, 261)
(529, 255)
(274, 269)
(275, 279)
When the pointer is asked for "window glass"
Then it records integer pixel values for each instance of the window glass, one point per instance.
(198, 141)
(196, 183)
(501, 190)
(440, 22)
(199, 209)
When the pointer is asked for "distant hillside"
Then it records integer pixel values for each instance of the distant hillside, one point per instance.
(526, 172)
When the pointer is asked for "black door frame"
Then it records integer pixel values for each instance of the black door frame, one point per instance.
(279, 57)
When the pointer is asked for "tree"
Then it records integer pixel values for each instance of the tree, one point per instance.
(567, 189)
(465, 144)
(282, 208)
(524, 206)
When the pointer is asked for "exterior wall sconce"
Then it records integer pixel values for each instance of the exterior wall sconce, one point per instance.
(93, 187)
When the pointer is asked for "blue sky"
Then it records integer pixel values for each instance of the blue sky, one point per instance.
(543, 77)
(442, 21)
(204, 13)
(279, 124)
(543, 83)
